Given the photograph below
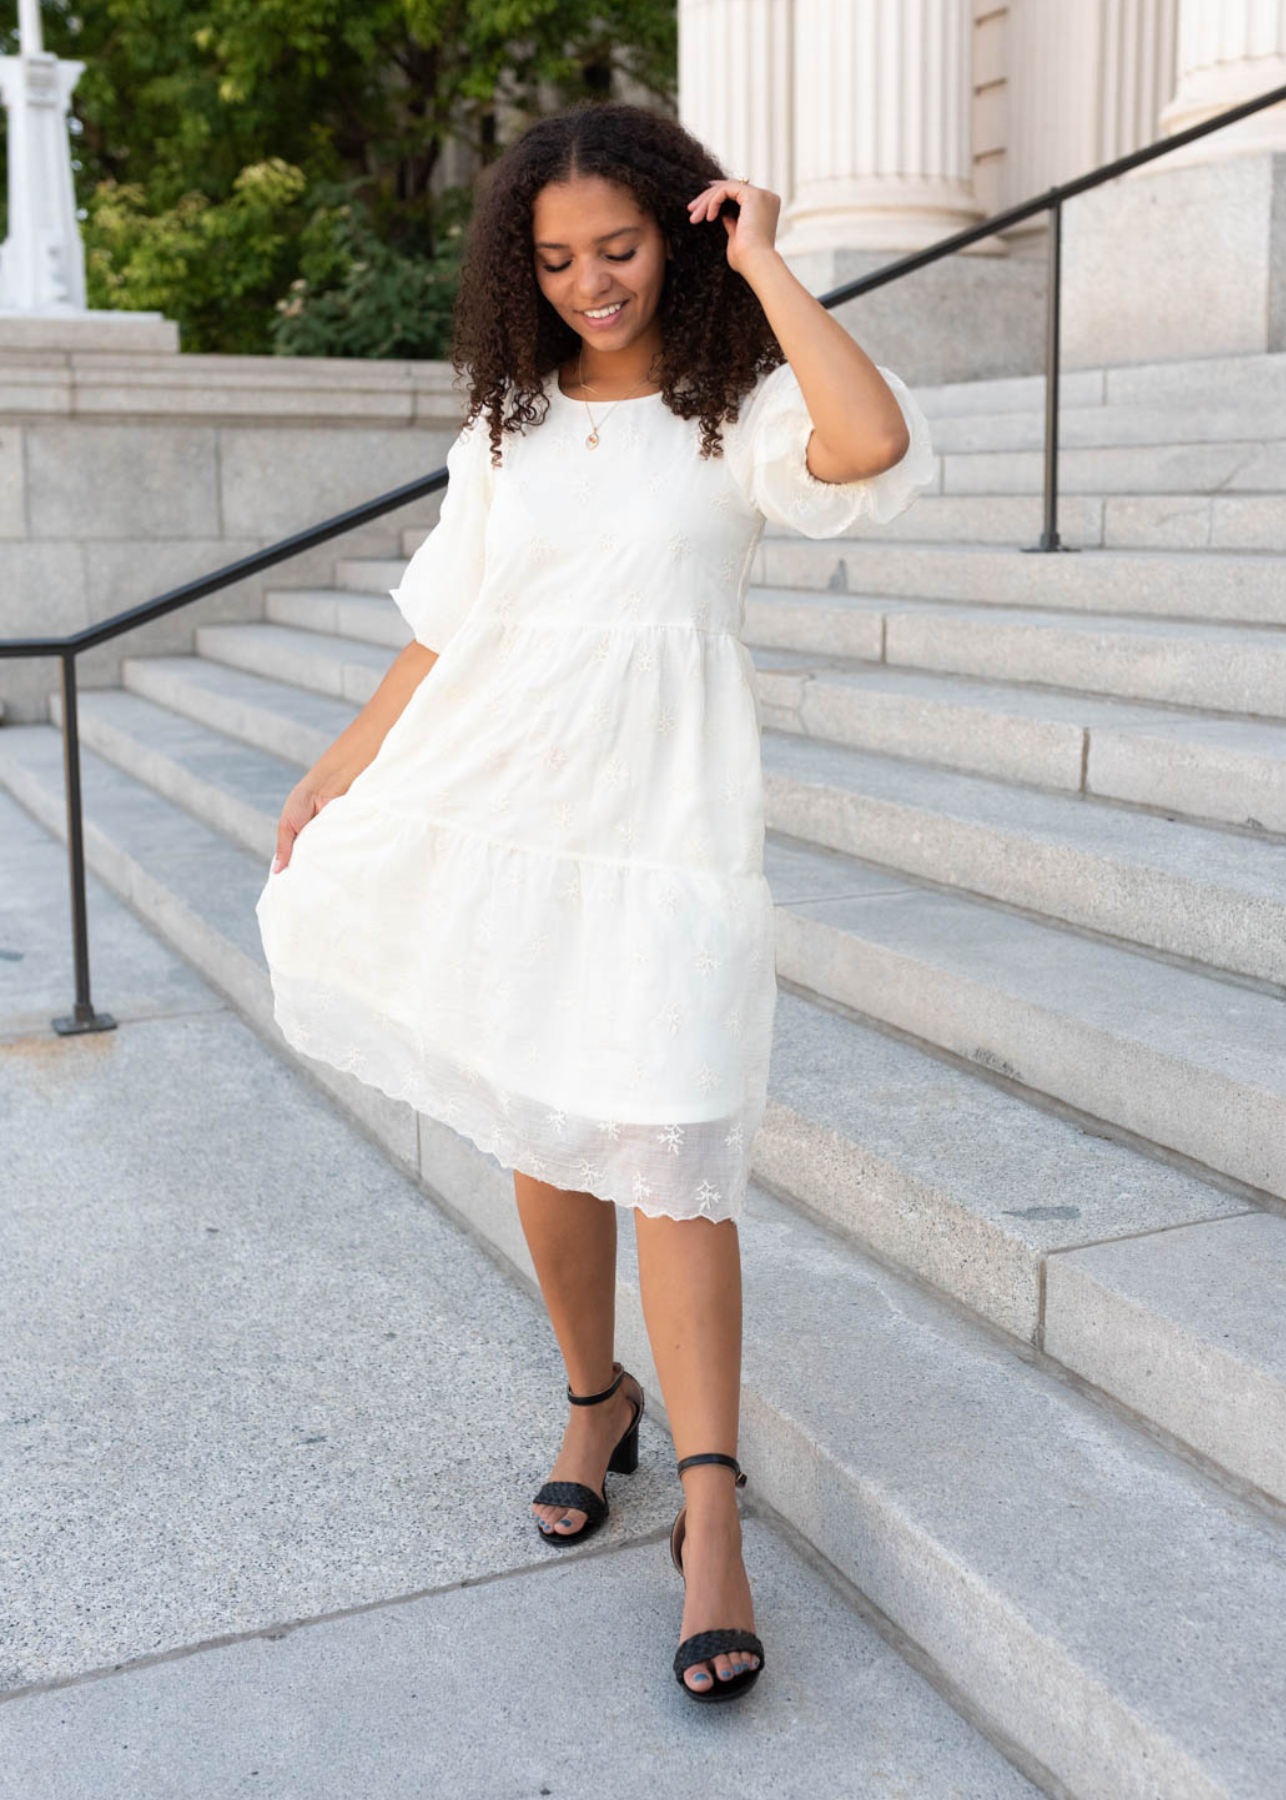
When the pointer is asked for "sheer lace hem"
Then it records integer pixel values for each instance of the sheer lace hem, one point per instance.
(671, 1167)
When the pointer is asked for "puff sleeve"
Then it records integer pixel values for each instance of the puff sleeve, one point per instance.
(442, 579)
(766, 451)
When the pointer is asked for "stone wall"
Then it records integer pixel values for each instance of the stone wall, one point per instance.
(127, 469)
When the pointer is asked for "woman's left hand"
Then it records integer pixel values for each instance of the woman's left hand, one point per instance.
(754, 228)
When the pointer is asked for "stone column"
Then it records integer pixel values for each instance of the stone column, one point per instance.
(1229, 51)
(735, 85)
(882, 141)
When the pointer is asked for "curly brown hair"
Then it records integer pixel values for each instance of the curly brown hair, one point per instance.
(716, 339)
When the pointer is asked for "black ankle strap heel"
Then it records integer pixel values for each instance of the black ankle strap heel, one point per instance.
(703, 1646)
(624, 1460)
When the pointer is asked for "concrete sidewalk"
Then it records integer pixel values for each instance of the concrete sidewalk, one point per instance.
(271, 1428)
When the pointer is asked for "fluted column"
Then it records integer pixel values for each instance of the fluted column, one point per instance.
(882, 111)
(1229, 51)
(735, 85)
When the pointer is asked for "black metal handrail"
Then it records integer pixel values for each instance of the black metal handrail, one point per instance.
(83, 1016)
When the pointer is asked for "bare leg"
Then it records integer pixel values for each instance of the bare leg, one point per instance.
(572, 1239)
(690, 1277)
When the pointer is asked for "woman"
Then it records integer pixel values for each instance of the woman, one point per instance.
(534, 905)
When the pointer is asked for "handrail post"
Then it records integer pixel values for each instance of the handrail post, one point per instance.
(84, 1018)
(1049, 539)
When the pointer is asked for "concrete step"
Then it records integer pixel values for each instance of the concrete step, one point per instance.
(1214, 897)
(371, 574)
(1233, 586)
(1244, 467)
(1185, 1327)
(293, 723)
(1232, 771)
(344, 667)
(1175, 382)
(1025, 1537)
(335, 612)
(1168, 1056)
(1114, 425)
(1220, 668)
(943, 1205)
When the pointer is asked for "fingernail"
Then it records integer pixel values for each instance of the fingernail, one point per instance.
(277, 864)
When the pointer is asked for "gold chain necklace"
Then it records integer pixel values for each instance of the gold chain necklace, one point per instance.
(592, 440)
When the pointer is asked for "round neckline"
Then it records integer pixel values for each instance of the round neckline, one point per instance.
(625, 400)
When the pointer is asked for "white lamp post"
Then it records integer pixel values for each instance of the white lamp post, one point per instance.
(42, 261)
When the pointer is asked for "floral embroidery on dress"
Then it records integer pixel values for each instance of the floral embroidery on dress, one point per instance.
(612, 771)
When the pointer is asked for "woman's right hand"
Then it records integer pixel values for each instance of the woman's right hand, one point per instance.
(303, 803)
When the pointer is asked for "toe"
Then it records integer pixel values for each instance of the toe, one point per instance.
(723, 1668)
(698, 1677)
(570, 1520)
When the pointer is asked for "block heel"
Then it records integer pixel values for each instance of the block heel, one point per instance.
(625, 1457)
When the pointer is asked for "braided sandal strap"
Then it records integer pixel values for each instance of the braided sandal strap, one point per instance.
(573, 1493)
(703, 1645)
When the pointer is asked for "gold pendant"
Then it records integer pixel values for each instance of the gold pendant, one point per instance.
(592, 439)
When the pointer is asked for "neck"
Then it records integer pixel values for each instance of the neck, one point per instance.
(616, 372)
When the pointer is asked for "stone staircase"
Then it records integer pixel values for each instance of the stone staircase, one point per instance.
(1015, 1254)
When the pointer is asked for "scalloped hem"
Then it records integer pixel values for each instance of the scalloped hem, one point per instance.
(676, 1169)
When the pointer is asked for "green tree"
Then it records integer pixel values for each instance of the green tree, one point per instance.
(263, 170)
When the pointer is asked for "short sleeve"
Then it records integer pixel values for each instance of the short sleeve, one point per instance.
(766, 450)
(442, 579)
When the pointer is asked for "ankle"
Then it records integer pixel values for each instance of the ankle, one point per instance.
(710, 1510)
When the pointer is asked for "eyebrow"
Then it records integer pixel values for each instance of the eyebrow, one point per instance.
(548, 244)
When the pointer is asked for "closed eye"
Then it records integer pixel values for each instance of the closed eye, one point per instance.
(551, 269)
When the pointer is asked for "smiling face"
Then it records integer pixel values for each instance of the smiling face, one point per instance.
(594, 249)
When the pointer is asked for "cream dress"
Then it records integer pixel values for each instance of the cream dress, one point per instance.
(540, 913)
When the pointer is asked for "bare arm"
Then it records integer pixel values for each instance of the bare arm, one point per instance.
(356, 746)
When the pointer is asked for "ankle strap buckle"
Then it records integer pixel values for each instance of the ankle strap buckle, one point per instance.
(715, 1456)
